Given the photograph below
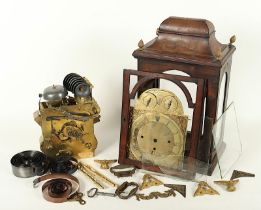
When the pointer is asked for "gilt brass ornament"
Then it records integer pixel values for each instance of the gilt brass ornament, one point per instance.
(205, 189)
(149, 181)
(105, 164)
(177, 187)
(158, 129)
(238, 174)
(156, 195)
(229, 184)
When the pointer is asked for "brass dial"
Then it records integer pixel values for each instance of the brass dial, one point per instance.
(158, 129)
(158, 139)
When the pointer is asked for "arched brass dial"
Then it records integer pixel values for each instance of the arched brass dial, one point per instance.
(158, 137)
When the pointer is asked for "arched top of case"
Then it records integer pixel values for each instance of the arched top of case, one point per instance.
(186, 40)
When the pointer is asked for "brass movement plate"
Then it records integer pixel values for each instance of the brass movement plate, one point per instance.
(69, 128)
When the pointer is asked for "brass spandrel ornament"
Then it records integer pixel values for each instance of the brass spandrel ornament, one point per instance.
(105, 164)
(205, 189)
(238, 174)
(158, 129)
(229, 184)
(68, 122)
(178, 187)
(149, 181)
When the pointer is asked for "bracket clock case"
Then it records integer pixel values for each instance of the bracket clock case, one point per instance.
(154, 133)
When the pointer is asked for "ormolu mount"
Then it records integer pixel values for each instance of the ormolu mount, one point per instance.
(238, 174)
(149, 181)
(205, 189)
(105, 164)
(177, 187)
(230, 184)
(156, 195)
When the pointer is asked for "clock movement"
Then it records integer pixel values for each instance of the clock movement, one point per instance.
(68, 122)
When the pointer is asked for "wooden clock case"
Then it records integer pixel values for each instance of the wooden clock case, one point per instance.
(189, 46)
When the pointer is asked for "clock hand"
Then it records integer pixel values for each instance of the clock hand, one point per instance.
(169, 104)
(148, 102)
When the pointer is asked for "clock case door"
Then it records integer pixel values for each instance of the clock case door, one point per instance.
(190, 162)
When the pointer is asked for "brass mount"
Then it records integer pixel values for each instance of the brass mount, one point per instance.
(149, 181)
(105, 164)
(230, 184)
(205, 189)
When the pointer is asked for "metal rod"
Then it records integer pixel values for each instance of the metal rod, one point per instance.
(92, 178)
(101, 176)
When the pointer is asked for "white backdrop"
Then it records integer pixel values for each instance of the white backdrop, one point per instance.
(42, 41)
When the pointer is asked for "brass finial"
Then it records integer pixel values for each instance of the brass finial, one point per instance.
(218, 54)
(230, 184)
(141, 44)
(232, 40)
(104, 164)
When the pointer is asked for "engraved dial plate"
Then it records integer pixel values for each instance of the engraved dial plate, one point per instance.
(157, 136)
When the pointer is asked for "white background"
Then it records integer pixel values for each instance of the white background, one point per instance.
(42, 41)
